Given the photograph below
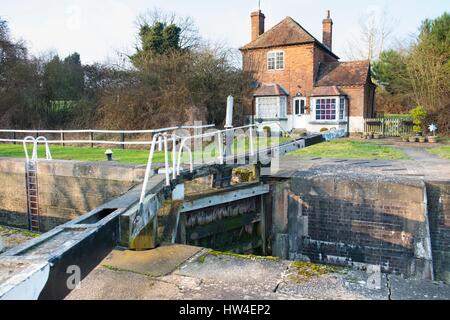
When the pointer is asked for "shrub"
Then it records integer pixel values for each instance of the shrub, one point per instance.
(418, 115)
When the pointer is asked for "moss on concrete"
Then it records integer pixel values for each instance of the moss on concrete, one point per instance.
(201, 259)
(308, 270)
(242, 256)
(4, 231)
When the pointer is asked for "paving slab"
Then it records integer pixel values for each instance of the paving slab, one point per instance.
(214, 276)
(411, 289)
(158, 262)
(106, 284)
(430, 169)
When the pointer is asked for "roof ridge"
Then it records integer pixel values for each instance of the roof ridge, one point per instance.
(298, 36)
(298, 24)
(273, 27)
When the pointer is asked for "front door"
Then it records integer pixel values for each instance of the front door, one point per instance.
(299, 121)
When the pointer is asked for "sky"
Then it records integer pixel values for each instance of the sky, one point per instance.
(101, 28)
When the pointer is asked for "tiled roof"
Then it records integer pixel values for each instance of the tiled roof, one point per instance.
(326, 91)
(287, 32)
(349, 73)
(270, 90)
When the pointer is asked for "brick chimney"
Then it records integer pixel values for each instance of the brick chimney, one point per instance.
(328, 31)
(257, 24)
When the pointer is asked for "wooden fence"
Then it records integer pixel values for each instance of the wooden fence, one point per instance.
(389, 127)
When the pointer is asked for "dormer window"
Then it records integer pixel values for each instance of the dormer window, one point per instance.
(275, 60)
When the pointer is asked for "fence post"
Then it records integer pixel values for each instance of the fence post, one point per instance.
(122, 138)
(382, 127)
(92, 138)
(62, 138)
(14, 137)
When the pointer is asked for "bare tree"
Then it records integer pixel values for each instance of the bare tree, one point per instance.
(373, 36)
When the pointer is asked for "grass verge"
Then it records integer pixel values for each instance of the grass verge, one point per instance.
(443, 152)
(351, 149)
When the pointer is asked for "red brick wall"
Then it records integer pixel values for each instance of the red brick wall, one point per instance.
(301, 66)
(298, 72)
(356, 97)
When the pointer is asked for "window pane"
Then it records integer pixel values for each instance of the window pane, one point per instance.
(342, 109)
(280, 60)
(326, 109)
(268, 107)
(275, 60)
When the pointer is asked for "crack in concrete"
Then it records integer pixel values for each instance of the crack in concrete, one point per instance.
(388, 286)
(276, 287)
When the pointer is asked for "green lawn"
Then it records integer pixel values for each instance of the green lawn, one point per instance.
(351, 149)
(443, 152)
(130, 156)
(82, 154)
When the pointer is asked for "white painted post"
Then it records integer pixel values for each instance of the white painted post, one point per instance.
(229, 116)
(160, 144)
(229, 134)
(174, 158)
(166, 160)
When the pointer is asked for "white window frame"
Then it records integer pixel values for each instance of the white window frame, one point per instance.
(275, 62)
(343, 113)
(293, 106)
(339, 117)
(280, 107)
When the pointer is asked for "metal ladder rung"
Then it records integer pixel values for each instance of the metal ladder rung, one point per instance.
(32, 195)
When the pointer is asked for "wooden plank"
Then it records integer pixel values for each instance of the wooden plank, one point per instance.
(220, 226)
(224, 198)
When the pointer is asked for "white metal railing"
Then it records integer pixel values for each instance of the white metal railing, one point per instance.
(91, 133)
(177, 155)
(34, 154)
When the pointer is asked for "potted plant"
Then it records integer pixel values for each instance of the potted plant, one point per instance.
(377, 135)
(405, 138)
(432, 139)
(412, 139)
(422, 139)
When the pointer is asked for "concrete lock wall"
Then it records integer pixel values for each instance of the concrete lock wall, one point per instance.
(353, 220)
(66, 189)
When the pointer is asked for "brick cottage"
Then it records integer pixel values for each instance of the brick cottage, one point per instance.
(300, 82)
